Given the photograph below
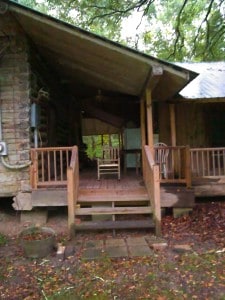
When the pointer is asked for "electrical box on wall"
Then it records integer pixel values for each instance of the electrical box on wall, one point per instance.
(34, 115)
(3, 149)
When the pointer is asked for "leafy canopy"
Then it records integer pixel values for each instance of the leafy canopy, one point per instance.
(175, 30)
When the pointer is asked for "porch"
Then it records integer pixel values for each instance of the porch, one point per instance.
(94, 204)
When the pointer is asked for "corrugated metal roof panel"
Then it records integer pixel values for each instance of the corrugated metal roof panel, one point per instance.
(210, 83)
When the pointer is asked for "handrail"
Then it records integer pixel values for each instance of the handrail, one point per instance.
(176, 167)
(207, 162)
(152, 183)
(49, 165)
(72, 186)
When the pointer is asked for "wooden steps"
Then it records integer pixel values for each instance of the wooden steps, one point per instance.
(103, 195)
(125, 224)
(122, 209)
(113, 210)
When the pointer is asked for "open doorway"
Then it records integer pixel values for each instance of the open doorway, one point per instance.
(94, 143)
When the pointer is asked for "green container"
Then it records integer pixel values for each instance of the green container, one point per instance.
(37, 242)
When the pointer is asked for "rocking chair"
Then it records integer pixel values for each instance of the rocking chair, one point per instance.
(110, 162)
(161, 158)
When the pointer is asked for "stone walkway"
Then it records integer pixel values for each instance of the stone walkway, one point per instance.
(120, 247)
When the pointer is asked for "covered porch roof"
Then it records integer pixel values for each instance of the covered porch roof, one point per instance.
(87, 62)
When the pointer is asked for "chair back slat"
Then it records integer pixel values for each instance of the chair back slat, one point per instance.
(110, 153)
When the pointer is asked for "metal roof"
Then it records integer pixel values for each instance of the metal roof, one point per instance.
(88, 62)
(209, 84)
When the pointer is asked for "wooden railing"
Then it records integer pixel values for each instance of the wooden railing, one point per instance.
(207, 162)
(72, 186)
(49, 166)
(176, 167)
(152, 183)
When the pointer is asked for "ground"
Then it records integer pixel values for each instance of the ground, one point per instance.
(192, 266)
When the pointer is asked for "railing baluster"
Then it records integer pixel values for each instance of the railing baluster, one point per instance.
(42, 166)
(218, 161)
(48, 166)
(203, 163)
(207, 163)
(61, 164)
(197, 162)
(55, 166)
(212, 162)
(67, 158)
(223, 153)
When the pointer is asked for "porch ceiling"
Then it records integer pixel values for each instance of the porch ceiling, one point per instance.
(87, 62)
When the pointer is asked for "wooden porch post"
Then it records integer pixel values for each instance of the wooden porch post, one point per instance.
(143, 128)
(148, 95)
(143, 131)
(173, 125)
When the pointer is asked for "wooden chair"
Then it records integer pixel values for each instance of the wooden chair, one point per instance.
(161, 158)
(110, 162)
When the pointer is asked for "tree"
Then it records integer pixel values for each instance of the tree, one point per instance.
(174, 29)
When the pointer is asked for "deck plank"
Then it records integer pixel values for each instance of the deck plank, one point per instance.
(113, 210)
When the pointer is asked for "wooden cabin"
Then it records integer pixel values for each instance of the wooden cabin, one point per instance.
(60, 84)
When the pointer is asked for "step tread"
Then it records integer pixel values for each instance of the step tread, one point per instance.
(125, 224)
(113, 210)
(86, 195)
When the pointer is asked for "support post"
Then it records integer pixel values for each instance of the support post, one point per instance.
(149, 119)
(188, 166)
(157, 205)
(173, 125)
(70, 197)
(143, 130)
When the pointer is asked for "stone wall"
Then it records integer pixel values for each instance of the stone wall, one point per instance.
(14, 106)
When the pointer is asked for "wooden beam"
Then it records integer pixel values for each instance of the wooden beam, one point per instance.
(173, 124)
(156, 74)
(103, 115)
(150, 140)
(152, 79)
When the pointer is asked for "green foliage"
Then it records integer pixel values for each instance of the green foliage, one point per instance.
(3, 239)
(175, 30)
(94, 144)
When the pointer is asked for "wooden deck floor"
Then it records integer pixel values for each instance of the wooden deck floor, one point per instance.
(130, 180)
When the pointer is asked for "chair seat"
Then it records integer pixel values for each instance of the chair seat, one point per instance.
(108, 165)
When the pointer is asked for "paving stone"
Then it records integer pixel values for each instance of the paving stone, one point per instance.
(155, 239)
(94, 244)
(136, 241)
(92, 253)
(116, 251)
(142, 250)
(159, 246)
(182, 248)
(115, 242)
